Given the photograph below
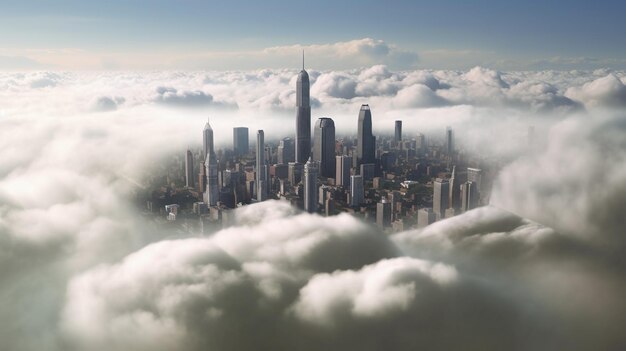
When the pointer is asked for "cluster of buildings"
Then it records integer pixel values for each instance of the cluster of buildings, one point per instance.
(394, 181)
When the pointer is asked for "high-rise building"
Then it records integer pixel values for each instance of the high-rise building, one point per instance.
(454, 200)
(202, 178)
(441, 195)
(425, 216)
(207, 140)
(295, 173)
(324, 146)
(357, 193)
(189, 169)
(469, 196)
(342, 174)
(396, 203)
(367, 171)
(449, 141)
(261, 167)
(303, 117)
(475, 175)
(420, 143)
(366, 143)
(286, 151)
(241, 144)
(212, 192)
(398, 134)
(310, 186)
(383, 213)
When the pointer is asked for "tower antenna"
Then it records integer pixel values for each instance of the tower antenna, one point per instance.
(303, 59)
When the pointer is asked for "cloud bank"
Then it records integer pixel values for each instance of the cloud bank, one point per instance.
(81, 269)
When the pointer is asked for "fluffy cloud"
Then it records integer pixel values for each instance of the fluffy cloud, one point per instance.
(169, 95)
(82, 269)
(316, 283)
(106, 103)
(339, 55)
(608, 91)
(578, 182)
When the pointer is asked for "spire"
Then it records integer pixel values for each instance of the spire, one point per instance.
(303, 59)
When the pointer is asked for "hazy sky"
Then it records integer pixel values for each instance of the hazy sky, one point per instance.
(72, 34)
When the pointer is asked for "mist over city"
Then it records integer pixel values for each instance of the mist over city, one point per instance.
(291, 176)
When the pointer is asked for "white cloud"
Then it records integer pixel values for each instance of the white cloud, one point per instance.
(81, 269)
(608, 91)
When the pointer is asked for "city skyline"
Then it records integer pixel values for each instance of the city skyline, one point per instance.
(337, 176)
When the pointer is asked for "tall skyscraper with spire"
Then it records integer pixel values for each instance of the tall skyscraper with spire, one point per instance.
(207, 140)
(366, 143)
(324, 146)
(303, 116)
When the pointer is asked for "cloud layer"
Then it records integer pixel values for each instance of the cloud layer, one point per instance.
(81, 269)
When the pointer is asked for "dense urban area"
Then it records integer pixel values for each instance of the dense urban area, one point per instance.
(395, 181)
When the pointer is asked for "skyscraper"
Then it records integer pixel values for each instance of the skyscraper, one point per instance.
(367, 171)
(366, 143)
(469, 196)
(202, 178)
(441, 195)
(425, 216)
(261, 167)
(475, 176)
(285, 153)
(212, 192)
(449, 141)
(420, 143)
(383, 213)
(398, 134)
(324, 146)
(207, 140)
(241, 144)
(342, 174)
(189, 169)
(303, 117)
(454, 200)
(295, 173)
(357, 193)
(310, 186)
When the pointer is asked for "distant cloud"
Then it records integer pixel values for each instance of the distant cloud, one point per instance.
(107, 103)
(169, 95)
(44, 80)
(14, 63)
(340, 55)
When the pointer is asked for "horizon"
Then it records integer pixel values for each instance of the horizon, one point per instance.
(78, 35)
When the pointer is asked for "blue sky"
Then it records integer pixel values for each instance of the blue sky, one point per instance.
(443, 34)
